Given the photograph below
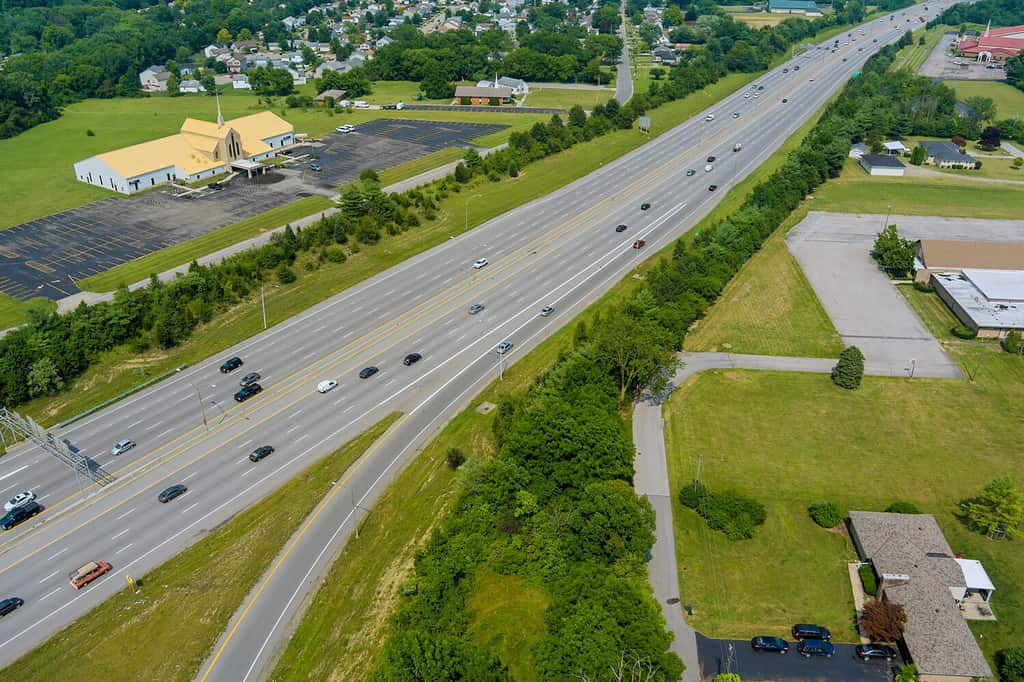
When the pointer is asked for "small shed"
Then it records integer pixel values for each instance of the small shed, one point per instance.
(882, 164)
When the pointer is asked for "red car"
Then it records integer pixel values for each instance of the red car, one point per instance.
(639, 244)
(86, 574)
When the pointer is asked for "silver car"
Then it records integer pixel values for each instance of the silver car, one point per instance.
(122, 446)
(475, 308)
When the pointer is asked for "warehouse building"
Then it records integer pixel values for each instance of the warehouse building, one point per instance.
(882, 164)
(200, 150)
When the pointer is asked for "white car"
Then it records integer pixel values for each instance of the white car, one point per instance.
(19, 500)
(479, 263)
(326, 385)
(546, 310)
(122, 446)
(344, 128)
(504, 347)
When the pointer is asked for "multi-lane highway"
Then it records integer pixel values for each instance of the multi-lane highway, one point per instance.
(561, 250)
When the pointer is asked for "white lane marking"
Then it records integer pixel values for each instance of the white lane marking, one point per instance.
(120, 534)
(134, 424)
(302, 437)
(246, 444)
(297, 426)
(48, 577)
(153, 426)
(191, 506)
(125, 514)
(356, 310)
(243, 460)
(389, 382)
(163, 433)
(190, 475)
(462, 337)
(50, 594)
(295, 414)
(7, 490)
(183, 399)
(320, 328)
(389, 292)
(124, 548)
(248, 471)
(347, 409)
(54, 556)
(13, 472)
(338, 401)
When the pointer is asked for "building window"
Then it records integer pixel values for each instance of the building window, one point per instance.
(152, 181)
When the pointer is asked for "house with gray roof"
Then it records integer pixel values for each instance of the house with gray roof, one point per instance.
(945, 154)
(917, 568)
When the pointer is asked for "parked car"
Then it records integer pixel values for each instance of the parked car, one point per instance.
(170, 493)
(86, 574)
(504, 347)
(231, 364)
(326, 385)
(479, 263)
(10, 604)
(344, 128)
(869, 651)
(122, 446)
(784, 100)
(247, 392)
(250, 378)
(367, 372)
(546, 310)
(639, 244)
(411, 359)
(476, 308)
(771, 645)
(261, 452)
(816, 647)
(19, 500)
(808, 631)
(620, 228)
(735, 114)
(20, 515)
(215, 185)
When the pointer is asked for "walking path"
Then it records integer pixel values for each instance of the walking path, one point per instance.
(624, 80)
(651, 477)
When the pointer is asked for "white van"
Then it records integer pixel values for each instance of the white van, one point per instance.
(708, 168)
(360, 104)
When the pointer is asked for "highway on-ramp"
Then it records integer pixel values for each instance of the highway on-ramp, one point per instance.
(561, 250)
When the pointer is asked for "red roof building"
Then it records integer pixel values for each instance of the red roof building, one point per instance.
(995, 44)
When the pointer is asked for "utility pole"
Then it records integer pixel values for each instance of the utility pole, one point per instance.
(263, 303)
(202, 408)
(469, 199)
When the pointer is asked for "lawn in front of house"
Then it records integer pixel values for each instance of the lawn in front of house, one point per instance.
(566, 98)
(1009, 100)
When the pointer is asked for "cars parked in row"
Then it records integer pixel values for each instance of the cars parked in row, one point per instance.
(869, 651)
(816, 647)
(802, 631)
(771, 645)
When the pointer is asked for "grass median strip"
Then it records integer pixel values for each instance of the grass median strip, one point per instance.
(167, 630)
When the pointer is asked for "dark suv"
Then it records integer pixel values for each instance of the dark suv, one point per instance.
(806, 631)
(866, 651)
(20, 515)
(816, 647)
(231, 365)
(10, 604)
(247, 392)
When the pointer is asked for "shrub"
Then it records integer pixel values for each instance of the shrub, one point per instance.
(729, 511)
(285, 275)
(868, 579)
(849, 371)
(513, 168)
(924, 287)
(825, 514)
(1010, 663)
(89, 132)
(335, 254)
(1018, 162)
(900, 507)
(962, 332)
(455, 457)
(1011, 344)
(692, 493)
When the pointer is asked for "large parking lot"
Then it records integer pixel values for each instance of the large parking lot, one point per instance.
(47, 256)
(941, 64)
(734, 655)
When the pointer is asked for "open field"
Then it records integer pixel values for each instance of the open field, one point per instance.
(14, 313)
(1009, 100)
(854, 191)
(789, 439)
(168, 629)
(566, 98)
(913, 56)
(179, 254)
(426, 162)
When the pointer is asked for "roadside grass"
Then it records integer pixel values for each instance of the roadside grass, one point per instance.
(422, 164)
(935, 314)
(180, 254)
(913, 56)
(1009, 100)
(167, 630)
(566, 98)
(14, 313)
(789, 439)
(994, 169)
(508, 618)
(854, 191)
(392, 92)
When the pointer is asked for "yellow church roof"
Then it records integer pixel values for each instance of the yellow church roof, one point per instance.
(207, 128)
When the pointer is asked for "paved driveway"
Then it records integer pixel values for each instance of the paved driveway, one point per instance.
(716, 656)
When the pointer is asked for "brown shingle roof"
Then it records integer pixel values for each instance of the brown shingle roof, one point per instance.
(473, 91)
(957, 254)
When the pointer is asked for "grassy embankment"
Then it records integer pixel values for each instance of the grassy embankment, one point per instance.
(168, 629)
(914, 55)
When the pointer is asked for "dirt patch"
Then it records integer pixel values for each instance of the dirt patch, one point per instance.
(731, 376)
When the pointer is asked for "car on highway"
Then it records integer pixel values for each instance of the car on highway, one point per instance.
(784, 100)
(231, 364)
(756, 95)
(737, 147)
(620, 228)
(796, 68)
(803, 631)
(87, 573)
(261, 452)
(785, 71)
(247, 392)
(735, 114)
(644, 206)
(746, 96)
(326, 385)
(771, 645)
(250, 378)
(712, 188)
(168, 494)
(868, 651)
(504, 347)
(639, 244)
(122, 446)
(20, 515)
(708, 168)
(760, 87)
(711, 159)
(411, 359)
(690, 173)
(19, 500)
(316, 167)
(816, 647)
(476, 308)
(10, 604)
(709, 118)
(546, 310)
(479, 263)
(367, 372)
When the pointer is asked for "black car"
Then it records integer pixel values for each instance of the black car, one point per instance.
(868, 651)
(260, 452)
(247, 392)
(10, 604)
(712, 188)
(711, 159)
(808, 631)
(411, 359)
(231, 365)
(690, 172)
(785, 71)
(367, 372)
(644, 206)
(816, 647)
(172, 492)
(620, 228)
(215, 185)
(771, 645)
(20, 515)
(784, 100)
(250, 378)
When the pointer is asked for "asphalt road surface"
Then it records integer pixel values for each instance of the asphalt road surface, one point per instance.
(725, 655)
(559, 250)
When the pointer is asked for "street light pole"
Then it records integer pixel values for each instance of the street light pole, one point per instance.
(263, 303)
(202, 408)
(469, 199)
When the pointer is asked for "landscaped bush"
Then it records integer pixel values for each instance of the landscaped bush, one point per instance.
(849, 371)
(825, 514)
(924, 287)
(868, 579)
(962, 332)
(901, 507)
(455, 458)
(692, 493)
(729, 511)
(1010, 663)
(1011, 344)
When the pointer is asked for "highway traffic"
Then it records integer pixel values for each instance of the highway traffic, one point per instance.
(561, 252)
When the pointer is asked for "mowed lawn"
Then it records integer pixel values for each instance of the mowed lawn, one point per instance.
(789, 439)
(1009, 100)
(914, 55)
(566, 98)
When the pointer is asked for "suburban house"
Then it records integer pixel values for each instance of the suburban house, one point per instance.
(519, 87)
(945, 154)
(332, 65)
(664, 55)
(154, 79)
(240, 81)
(805, 7)
(938, 590)
(469, 94)
(994, 44)
(895, 148)
(882, 164)
(200, 150)
(335, 95)
(190, 85)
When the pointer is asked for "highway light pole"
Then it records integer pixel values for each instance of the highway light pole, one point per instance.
(469, 199)
(263, 304)
(202, 408)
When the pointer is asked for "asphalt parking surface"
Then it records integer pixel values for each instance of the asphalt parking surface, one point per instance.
(752, 666)
(47, 256)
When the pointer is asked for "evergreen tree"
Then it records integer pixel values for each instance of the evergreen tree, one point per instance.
(849, 371)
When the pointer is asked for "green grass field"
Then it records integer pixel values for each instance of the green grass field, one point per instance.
(913, 56)
(1009, 100)
(790, 439)
(14, 313)
(566, 98)
(167, 630)
(422, 164)
(180, 254)
(508, 617)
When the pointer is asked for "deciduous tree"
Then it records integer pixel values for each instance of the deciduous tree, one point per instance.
(883, 620)
(997, 511)
(638, 350)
